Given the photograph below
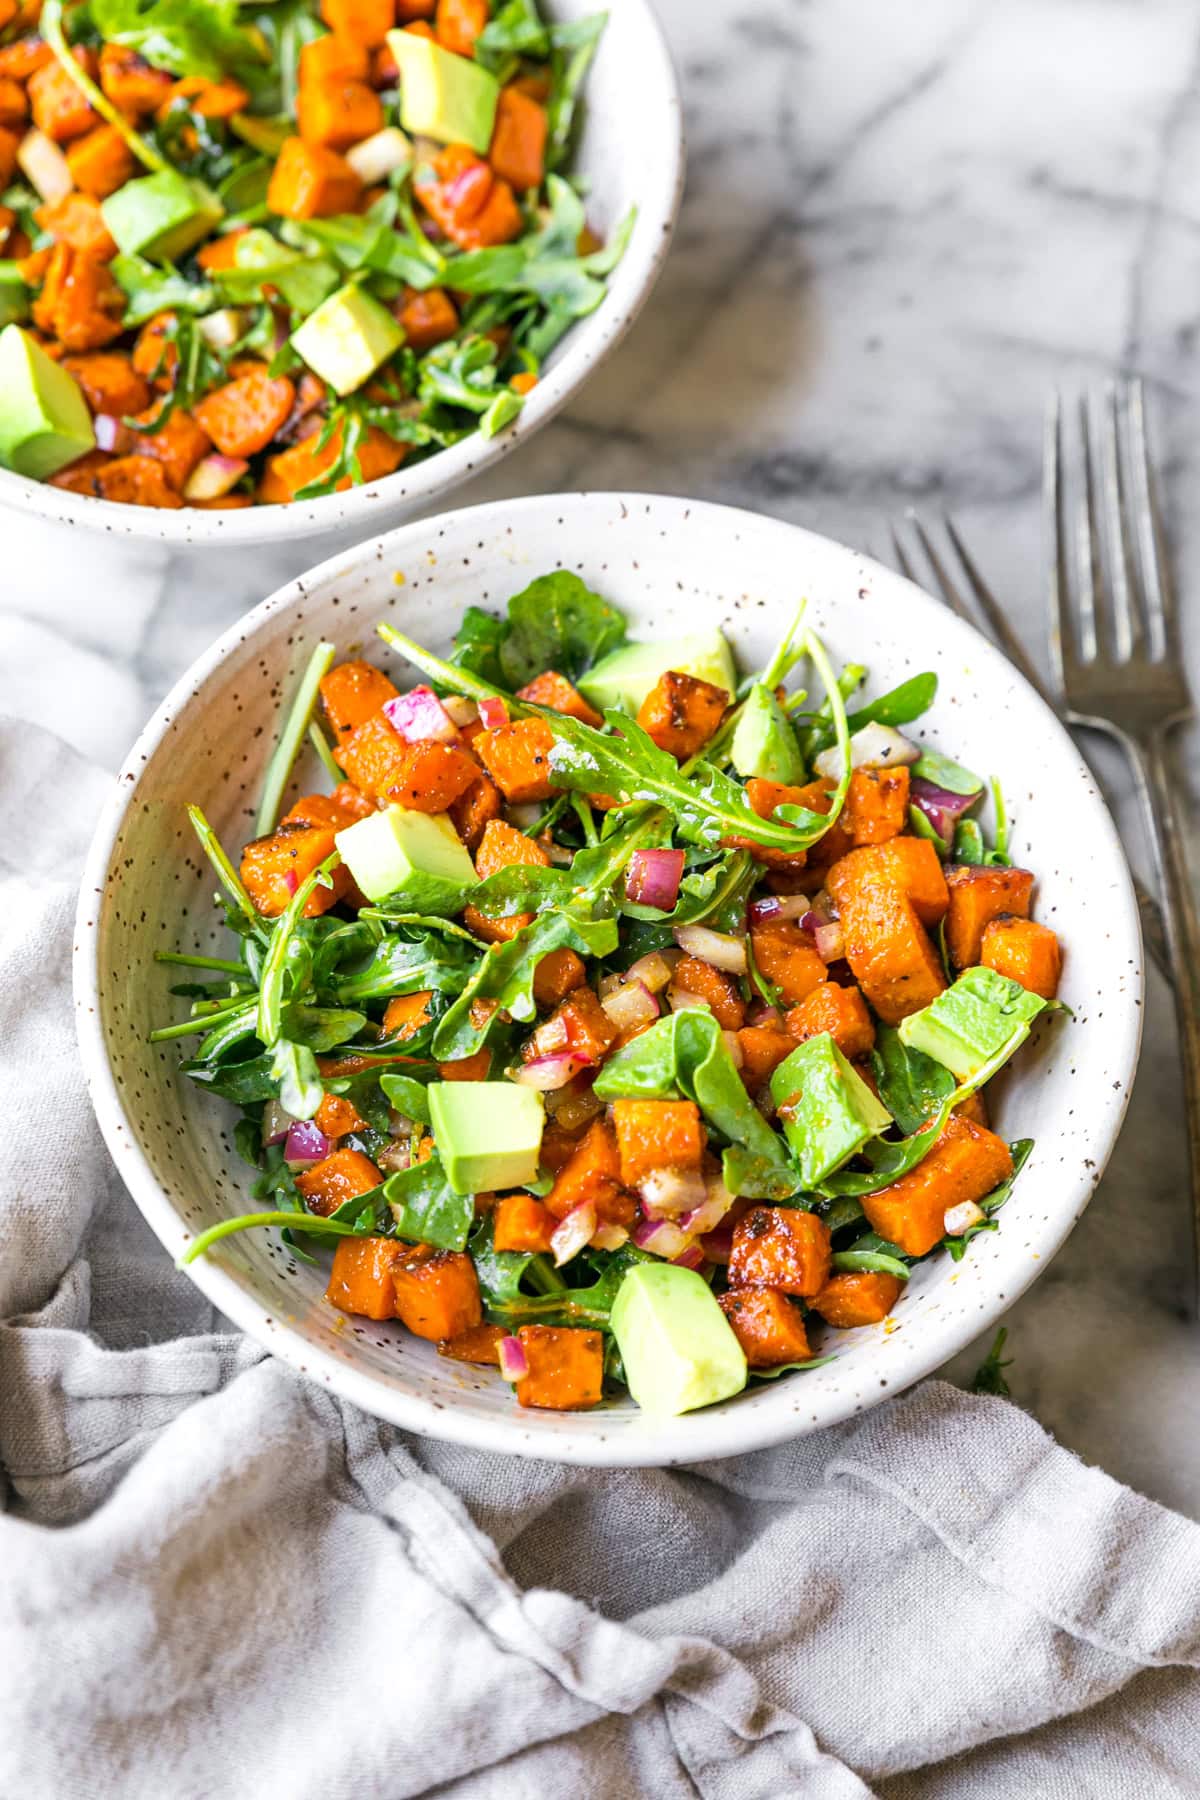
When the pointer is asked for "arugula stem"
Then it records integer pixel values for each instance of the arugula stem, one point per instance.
(837, 705)
(51, 28)
(270, 989)
(583, 813)
(198, 1026)
(321, 745)
(311, 1222)
(544, 1275)
(225, 872)
(279, 768)
(459, 681)
(200, 962)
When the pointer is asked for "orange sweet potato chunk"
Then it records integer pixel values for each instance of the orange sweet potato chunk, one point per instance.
(310, 181)
(178, 445)
(342, 1176)
(430, 777)
(763, 1049)
(333, 57)
(337, 1115)
(566, 1367)
(437, 1293)
(428, 317)
(478, 1344)
(517, 757)
(681, 713)
(101, 162)
(501, 847)
(372, 755)
(522, 1223)
(59, 109)
(787, 957)
(364, 22)
(518, 147)
(131, 83)
(458, 23)
(1024, 951)
(467, 1068)
(242, 417)
(780, 1247)
(767, 1325)
(657, 1134)
(581, 1025)
(721, 992)
(274, 866)
(474, 810)
(966, 1163)
(977, 896)
(841, 1011)
(860, 1299)
(109, 381)
(361, 1280)
(876, 806)
(557, 975)
(592, 1171)
(885, 894)
(353, 693)
(338, 112)
(560, 695)
(407, 1014)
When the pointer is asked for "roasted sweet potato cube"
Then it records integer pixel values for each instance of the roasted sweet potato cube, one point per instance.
(178, 444)
(501, 847)
(428, 318)
(478, 1344)
(321, 809)
(977, 896)
(431, 777)
(876, 806)
(767, 1325)
(337, 1115)
(591, 1171)
(966, 1163)
(1024, 951)
(763, 1049)
(561, 696)
(908, 865)
(657, 1134)
(273, 867)
(859, 1299)
(109, 381)
(76, 220)
(155, 353)
(407, 1014)
(558, 973)
(310, 181)
(372, 755)
(459, 23)
(473, 811)
(131, 83)
(522, 1223)
(720, 991)
(787, 957)
(342, 1176)
(517, 757)
(437, 1293)
(59, 109)
(331, 57)
(364, 22)
(80, 304)
(780, 1247)
(886, 945)
(841, 1011)
(580, 1024)
(566, 1367)
(518, 147)
(467, 1068)
(337, 113)
(361, 1280)
(101, 162)
(681, 713)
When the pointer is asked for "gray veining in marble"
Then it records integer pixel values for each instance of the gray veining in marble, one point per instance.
(902, 226)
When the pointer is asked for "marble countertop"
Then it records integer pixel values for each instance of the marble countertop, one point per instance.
(902, 227)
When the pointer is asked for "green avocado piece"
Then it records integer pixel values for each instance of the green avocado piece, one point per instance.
(488, 1133)
(397, 851)
(677, 1346)
(980, 1017)
(347, 338)
(44, 419)
(14, 295)
(624, 677)
(828, 1110)
(764, 743)
(161, 216)
(442, 95)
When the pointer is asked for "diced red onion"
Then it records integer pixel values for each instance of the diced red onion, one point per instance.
(514, 1364)
(691, 1258)
(654, 970)
(874, 747)
(574, 1106)
(942, 808)
(666, 1193)
(525, 816)
(547, 1073)
(467, 192)
(681, 1000)
(712, 1209)
(661, 1238)
(831, 945)
(395, 1159)
(551, 1036)
(420, 718)
(960, 1218)
(720, 948)
(630, 1005)
(769, 907)
(762, 1014)
(609, 1237)
(214, 476)
(305, 1144)
(463, 711)
(718, 1244)
(653, 877)
(112, 434)
(221, 330)
(569, 1238)
(291, 880)
(276, 1122)
(493, 713)
(812, 920)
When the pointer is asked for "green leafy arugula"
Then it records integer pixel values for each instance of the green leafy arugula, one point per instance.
(425, 1208)
(989, 1376)
(186, 37)
(911, 1085)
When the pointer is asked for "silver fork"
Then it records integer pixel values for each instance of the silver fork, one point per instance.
(986, 613)
(1118, 663)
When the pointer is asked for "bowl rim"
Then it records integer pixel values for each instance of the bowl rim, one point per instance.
(401, 495)
(690, 1438)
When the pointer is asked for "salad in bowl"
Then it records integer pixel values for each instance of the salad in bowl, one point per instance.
(612, 1019)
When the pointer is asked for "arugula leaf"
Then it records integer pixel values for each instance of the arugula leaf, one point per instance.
(149, 290)
(516, 30)
(262, 261)
(403, 965)
(931, 765)
(1021, 1150)
(686, 1053)
(407, 1096)
(911, 1085)
(588, 1306)
(477, 644)
(521, 887)
(871, 1262)
(899, 706)
(814, 1362)
(426, 1209)
(294, 1068)
(989, 1376)
(573, 46)
(499, 1272)
(969, 846)
(557, 622)
(187, 37)
(321, 1028)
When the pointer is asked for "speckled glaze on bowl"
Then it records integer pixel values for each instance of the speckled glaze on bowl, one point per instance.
(673, 566)
(631, 153)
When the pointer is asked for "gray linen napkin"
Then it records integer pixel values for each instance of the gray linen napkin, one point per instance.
(217, 1581)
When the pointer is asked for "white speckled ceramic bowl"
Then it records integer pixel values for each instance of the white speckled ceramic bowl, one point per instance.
(631, 153)
(673, 566)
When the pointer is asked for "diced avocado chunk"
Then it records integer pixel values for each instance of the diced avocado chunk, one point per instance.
(347, 338)
(397, 851)
(488, 1133)
(14, 295)
(442, 95)
(44, 419)
(983, 1016)
(677, 1346)
(764, 743)
(828, 1110)
(624, 677)
(161, 216)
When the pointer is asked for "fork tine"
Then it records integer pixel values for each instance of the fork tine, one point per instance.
(993, 612)
(1087, 548)
(901, 555)
(1122, 581)
(1162, 620)
(1055, 529)
(950, 593)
